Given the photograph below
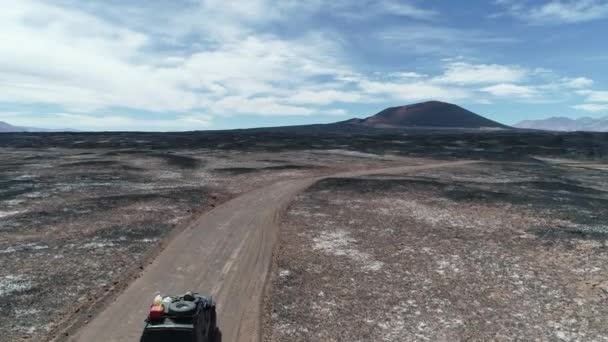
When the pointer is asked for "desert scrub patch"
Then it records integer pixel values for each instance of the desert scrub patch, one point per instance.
(576, 231)
(289, 167)
(91, 163)
(146, 230)
(371, 185)
(101, 165)
(9, 189)
(179, 161)
(236, 170)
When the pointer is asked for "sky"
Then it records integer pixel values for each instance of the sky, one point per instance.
(174, 65)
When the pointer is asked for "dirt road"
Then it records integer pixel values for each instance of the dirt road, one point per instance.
(226, 252)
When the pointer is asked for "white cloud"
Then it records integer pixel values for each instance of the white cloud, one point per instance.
(407, 74)
(185, 122)
(407, 10)
(557, 11)
(53, 55)
(598, 96)
(466, 73)
(86, 64)
(435, 39)
(336, 112)
(570, 11)
(230, 105)
(265, 59)
(325, 97)
(220, 20)
(510, 90)
(594, 95)
(578, 82)
(414, 91)
(366, 9)
(592, 107)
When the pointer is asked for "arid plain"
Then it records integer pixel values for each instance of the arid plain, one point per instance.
(511, 246)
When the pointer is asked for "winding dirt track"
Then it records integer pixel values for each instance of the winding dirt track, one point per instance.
(226, 252)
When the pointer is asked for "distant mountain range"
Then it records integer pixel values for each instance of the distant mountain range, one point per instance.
(567, 124)
(432, 114)
(8, 128)
(426, 115)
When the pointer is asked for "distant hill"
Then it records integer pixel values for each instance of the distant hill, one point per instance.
(432, 114)
(567, 124)
(8, 128)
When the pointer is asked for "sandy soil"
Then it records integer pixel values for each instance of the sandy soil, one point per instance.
(496, 251)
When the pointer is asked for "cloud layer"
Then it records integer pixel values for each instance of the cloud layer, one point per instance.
(193, 61)
(557, 11)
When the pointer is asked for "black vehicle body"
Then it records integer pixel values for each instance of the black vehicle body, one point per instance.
(190, 318)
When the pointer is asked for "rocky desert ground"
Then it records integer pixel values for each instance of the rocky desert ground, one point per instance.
(489, 251)
(78, 224)
(511, 247)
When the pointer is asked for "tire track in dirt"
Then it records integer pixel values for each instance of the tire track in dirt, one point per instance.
(226, 252)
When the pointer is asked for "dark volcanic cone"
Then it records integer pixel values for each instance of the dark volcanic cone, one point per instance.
(427, 114)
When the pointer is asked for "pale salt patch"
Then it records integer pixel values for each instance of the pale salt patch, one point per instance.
(97, 244)
(435, 215)
(348, 202)
(355, 154)
(324, 308)
(394, 328)
(169, 175)
(8, 213)
(14, 202)
(178, 219)
(452, 264)
(286, 329)
(26, 312)
(340, 243)
(36, 194)
(14, 283)
(27, 246)
(311, 214)
(26, 330)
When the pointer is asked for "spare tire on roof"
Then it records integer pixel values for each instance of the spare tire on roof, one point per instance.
(182, 308)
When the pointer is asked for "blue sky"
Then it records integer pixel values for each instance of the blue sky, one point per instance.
(215, 64)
